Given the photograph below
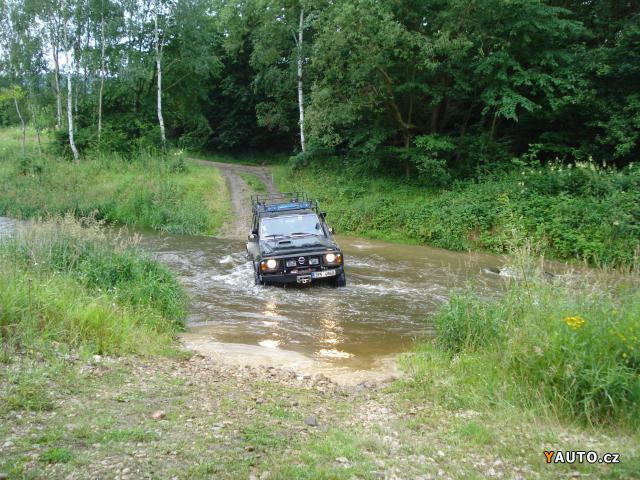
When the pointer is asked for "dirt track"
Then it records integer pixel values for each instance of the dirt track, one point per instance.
(240, 194)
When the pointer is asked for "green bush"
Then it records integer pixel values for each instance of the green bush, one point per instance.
(584, 212)
(67, 281)
(571, 346)
(81, 249)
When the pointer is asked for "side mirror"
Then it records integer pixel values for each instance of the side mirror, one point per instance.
(253, 237)
(254, 231)
(332, 230)
(323, 214)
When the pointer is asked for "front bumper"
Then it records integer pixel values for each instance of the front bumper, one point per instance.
(280, 277)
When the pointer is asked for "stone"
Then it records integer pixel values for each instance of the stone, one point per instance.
(311, 421)
(159, 415)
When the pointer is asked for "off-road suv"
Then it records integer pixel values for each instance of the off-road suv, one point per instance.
(290, 242)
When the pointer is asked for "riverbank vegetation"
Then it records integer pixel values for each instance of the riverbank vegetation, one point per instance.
(563, 347)
(146, 189)
(572, 212)
(65, 282)
(451, 124)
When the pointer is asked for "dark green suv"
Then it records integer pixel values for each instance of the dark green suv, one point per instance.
(290, 242)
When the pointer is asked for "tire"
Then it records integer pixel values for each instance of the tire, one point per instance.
(340, 280)
(256, 278)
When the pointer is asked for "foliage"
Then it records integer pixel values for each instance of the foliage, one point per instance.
(169, 194)
(428, 88)
(569, 345)
(63, 280)
(578, 211)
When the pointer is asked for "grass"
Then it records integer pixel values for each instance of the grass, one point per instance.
(566, 348)
(213, 429)
(584, 213)
(255, 183)
(169, 194)
(66, 281)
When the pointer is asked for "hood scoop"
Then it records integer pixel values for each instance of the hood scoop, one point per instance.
(284, 242)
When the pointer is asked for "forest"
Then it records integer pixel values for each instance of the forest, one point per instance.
(433, 90)
(477, 160)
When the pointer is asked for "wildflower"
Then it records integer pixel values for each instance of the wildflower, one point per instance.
(574, 323)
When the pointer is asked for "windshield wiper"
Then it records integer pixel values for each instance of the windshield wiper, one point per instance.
(305, 234)
(274, 235)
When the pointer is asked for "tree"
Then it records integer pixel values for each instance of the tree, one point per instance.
(158, 48)
(69, 64)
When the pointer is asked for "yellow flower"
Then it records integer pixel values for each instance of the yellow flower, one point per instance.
(574, 323)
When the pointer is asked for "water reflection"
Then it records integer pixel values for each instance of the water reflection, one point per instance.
(391, 291)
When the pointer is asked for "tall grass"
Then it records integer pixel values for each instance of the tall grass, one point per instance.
(64, 280)
(567, 346)
(583, 212)
(147, 190)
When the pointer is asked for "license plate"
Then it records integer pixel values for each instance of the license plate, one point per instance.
(303, 279)
(324, 274)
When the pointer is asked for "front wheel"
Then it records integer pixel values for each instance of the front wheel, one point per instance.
(340, 280)
(256, 278)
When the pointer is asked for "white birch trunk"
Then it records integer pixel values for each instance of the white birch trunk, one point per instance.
(163, 138)
(72, 143)
(22, 124)
(56, 79)
(300, 84)
(101, 78)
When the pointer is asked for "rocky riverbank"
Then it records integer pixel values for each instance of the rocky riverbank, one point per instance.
(130, 417)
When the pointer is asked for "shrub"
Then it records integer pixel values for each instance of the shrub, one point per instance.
(82, 249)
(66, 281)
(571, 346)
(584, 212)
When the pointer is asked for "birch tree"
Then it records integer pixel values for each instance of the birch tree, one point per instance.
(102, 72)
(69, 64)
(158, 48)
(280, 62)
(299, 43)
(49, 16)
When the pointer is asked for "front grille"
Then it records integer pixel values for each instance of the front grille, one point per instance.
(302, 262)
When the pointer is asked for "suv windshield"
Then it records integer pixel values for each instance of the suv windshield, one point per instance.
(291, 225)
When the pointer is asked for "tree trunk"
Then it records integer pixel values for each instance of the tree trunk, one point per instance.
(163, 138)
(36, 125)
(22, 124)
(494, 124)
(300, 84)
(72, 143)
(56, 79)
(407, 163)
(463, 131)
(101, 78)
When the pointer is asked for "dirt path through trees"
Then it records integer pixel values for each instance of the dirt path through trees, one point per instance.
(240, 192)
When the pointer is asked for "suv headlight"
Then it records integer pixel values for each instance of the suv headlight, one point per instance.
(333, 258)
(270, 264)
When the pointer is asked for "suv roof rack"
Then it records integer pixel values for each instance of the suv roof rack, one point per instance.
(278, 202)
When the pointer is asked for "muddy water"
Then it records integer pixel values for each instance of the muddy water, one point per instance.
(391, 291)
